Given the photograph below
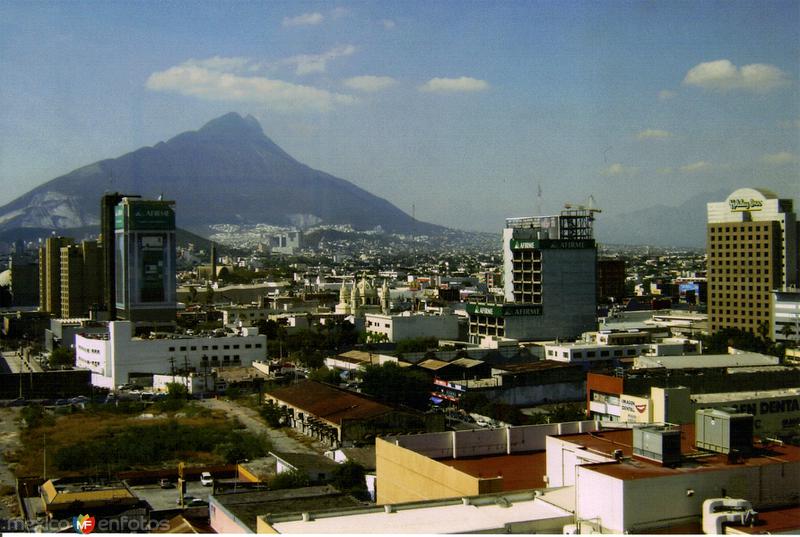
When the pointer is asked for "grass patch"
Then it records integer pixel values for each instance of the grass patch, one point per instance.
(109, 439)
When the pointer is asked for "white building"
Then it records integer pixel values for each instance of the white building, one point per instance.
(609, 345)
(785, 315)
(407, 325)
(112, 357)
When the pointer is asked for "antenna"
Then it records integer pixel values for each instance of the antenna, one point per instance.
(539, 199)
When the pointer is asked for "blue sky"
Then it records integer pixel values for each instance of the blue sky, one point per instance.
(460, 108)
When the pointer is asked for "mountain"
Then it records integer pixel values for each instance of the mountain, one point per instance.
(661, 225)
(228, 172)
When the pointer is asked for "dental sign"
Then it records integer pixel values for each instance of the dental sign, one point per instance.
(744, 205)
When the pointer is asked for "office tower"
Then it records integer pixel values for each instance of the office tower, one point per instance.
(24, 280)
(610, 280)
(81, 278)
(550, 280)
(751, 250)
(144, 260)
(50, 274)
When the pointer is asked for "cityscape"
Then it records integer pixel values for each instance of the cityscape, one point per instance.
(394, 268)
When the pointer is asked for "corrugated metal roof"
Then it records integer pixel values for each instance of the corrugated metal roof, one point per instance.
(329, 403)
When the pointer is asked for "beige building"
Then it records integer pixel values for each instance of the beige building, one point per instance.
(50, 274)
(752, 249)
(81, 278)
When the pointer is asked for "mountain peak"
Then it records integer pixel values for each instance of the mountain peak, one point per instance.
(232, 124)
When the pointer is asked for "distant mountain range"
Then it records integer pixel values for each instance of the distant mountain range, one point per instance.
(228, 172)
(661, 225)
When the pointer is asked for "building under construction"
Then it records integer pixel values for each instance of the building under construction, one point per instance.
(550, 275)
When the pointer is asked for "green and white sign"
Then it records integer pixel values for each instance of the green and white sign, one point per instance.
(551, 244)
(504, 310)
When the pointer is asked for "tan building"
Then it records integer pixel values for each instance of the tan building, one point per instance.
(81, 278)
(50, 274)
(752, 249)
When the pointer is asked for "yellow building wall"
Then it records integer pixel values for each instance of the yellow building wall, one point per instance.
(406, 476)
(262, 526)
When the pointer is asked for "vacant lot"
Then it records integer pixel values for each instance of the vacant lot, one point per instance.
(103, 439)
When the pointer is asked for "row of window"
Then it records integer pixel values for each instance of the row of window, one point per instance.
(749, 229)
(216, 347)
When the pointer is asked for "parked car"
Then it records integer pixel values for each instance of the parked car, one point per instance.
(186, 500)
(206, 479)
(165, 483)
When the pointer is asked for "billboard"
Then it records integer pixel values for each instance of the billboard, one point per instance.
(551, 244)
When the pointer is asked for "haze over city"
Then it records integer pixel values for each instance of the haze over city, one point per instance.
(462, 110)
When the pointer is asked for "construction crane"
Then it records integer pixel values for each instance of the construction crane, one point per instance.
(589, 206)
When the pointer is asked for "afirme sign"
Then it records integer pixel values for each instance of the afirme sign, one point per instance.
(551, 244)
(504, 310)
(743, 205)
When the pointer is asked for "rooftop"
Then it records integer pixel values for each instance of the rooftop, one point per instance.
(493, 513)
(247, 506)
(745, 359)
(329, 403)
(518, 470)
(694, 460)
(706, 398)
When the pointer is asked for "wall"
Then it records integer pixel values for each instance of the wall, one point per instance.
(116, 358)
(222, 521)
(640, 505)
(562, 457)
(599, 499)
(404, 476)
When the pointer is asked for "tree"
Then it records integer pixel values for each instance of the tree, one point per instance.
(349, 478)
(397, 386)
(292, 479)
(61, 356)
(324, 374)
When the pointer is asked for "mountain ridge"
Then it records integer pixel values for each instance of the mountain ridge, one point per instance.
(228, 171)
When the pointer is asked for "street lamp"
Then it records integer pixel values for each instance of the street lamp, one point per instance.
(236, 479)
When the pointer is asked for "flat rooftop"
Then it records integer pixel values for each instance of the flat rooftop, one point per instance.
(247, 506)
(491, 513)
(694, 460)
(701, 361)
(707, 398)
(518, 470)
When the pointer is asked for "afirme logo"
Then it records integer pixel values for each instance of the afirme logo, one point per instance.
(83, 524)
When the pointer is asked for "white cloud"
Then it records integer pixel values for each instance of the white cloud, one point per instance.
(339, 12)
(779, 159)
(451, 85)
(317, 63)
(618, 170)
(722, 75)
(388, 23)
(216, 84)
(653, 134)
(306, 19)
(665, 95)
(695, 167)
(220, 63)
(370, 83)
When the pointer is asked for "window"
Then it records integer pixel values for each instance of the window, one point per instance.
(214, 347)
(226, 347)
(603, 353)
(205, 347)
(183, 348)
(172, 349)
(258, 345)
(193, 347)
(248, 346)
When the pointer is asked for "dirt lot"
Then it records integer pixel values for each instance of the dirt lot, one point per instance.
(9, 443)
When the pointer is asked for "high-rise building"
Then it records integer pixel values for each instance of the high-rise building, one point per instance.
(81, 278)
(752, 241)
(550, 280)
(144, 260)
(24, 280)
(610, 280)
(50, 274)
